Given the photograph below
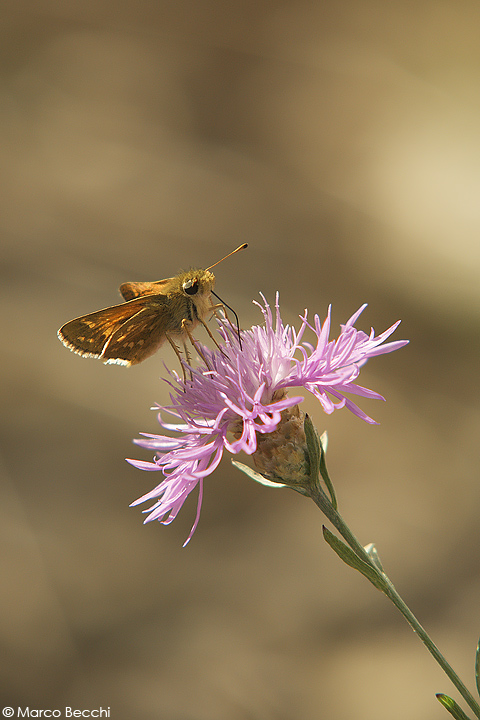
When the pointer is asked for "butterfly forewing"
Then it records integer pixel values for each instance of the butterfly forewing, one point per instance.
(139, 337)
(125, 334)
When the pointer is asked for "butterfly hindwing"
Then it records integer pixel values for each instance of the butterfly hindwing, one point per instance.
(131, 290)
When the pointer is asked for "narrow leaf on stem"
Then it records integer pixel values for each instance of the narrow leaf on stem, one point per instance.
(350, 558)
(313, 446)
(452, 707)
(477, 667)
(371, 550)
(256, 476)
(324, 473)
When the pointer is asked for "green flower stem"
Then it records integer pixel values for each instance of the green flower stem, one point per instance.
(322, 501)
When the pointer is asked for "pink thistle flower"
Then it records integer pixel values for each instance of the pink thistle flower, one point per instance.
(242, 392)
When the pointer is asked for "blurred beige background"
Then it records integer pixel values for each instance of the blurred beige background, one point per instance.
(342, 142)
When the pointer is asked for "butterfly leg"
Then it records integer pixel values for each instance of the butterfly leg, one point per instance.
(211, 336)
(194, 342)
(188, 358)
(179, 355)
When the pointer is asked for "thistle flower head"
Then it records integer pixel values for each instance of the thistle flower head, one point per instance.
(238, 396)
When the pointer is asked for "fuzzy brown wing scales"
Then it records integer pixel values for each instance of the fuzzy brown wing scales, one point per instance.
(125, 334)
(131, 290)
(139, 337)
(88, 334)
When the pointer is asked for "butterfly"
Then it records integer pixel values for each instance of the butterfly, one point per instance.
(153, 312)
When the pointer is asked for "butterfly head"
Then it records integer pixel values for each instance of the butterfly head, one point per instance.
(197, 282)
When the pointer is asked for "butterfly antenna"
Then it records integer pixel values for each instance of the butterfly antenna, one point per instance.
(240, 247)
(233, 311)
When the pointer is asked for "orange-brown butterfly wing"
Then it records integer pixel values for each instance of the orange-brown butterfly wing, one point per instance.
(123, 334)
(131, 290)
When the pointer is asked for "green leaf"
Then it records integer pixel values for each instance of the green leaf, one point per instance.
(256, 476)
(313, 446)
(326, 479)
(350, 558)
(324, 441)
(371, 550)
(452, 707)
(477, 667)
(317, 447)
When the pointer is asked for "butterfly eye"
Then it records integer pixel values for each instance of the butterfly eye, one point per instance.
(190, 287)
